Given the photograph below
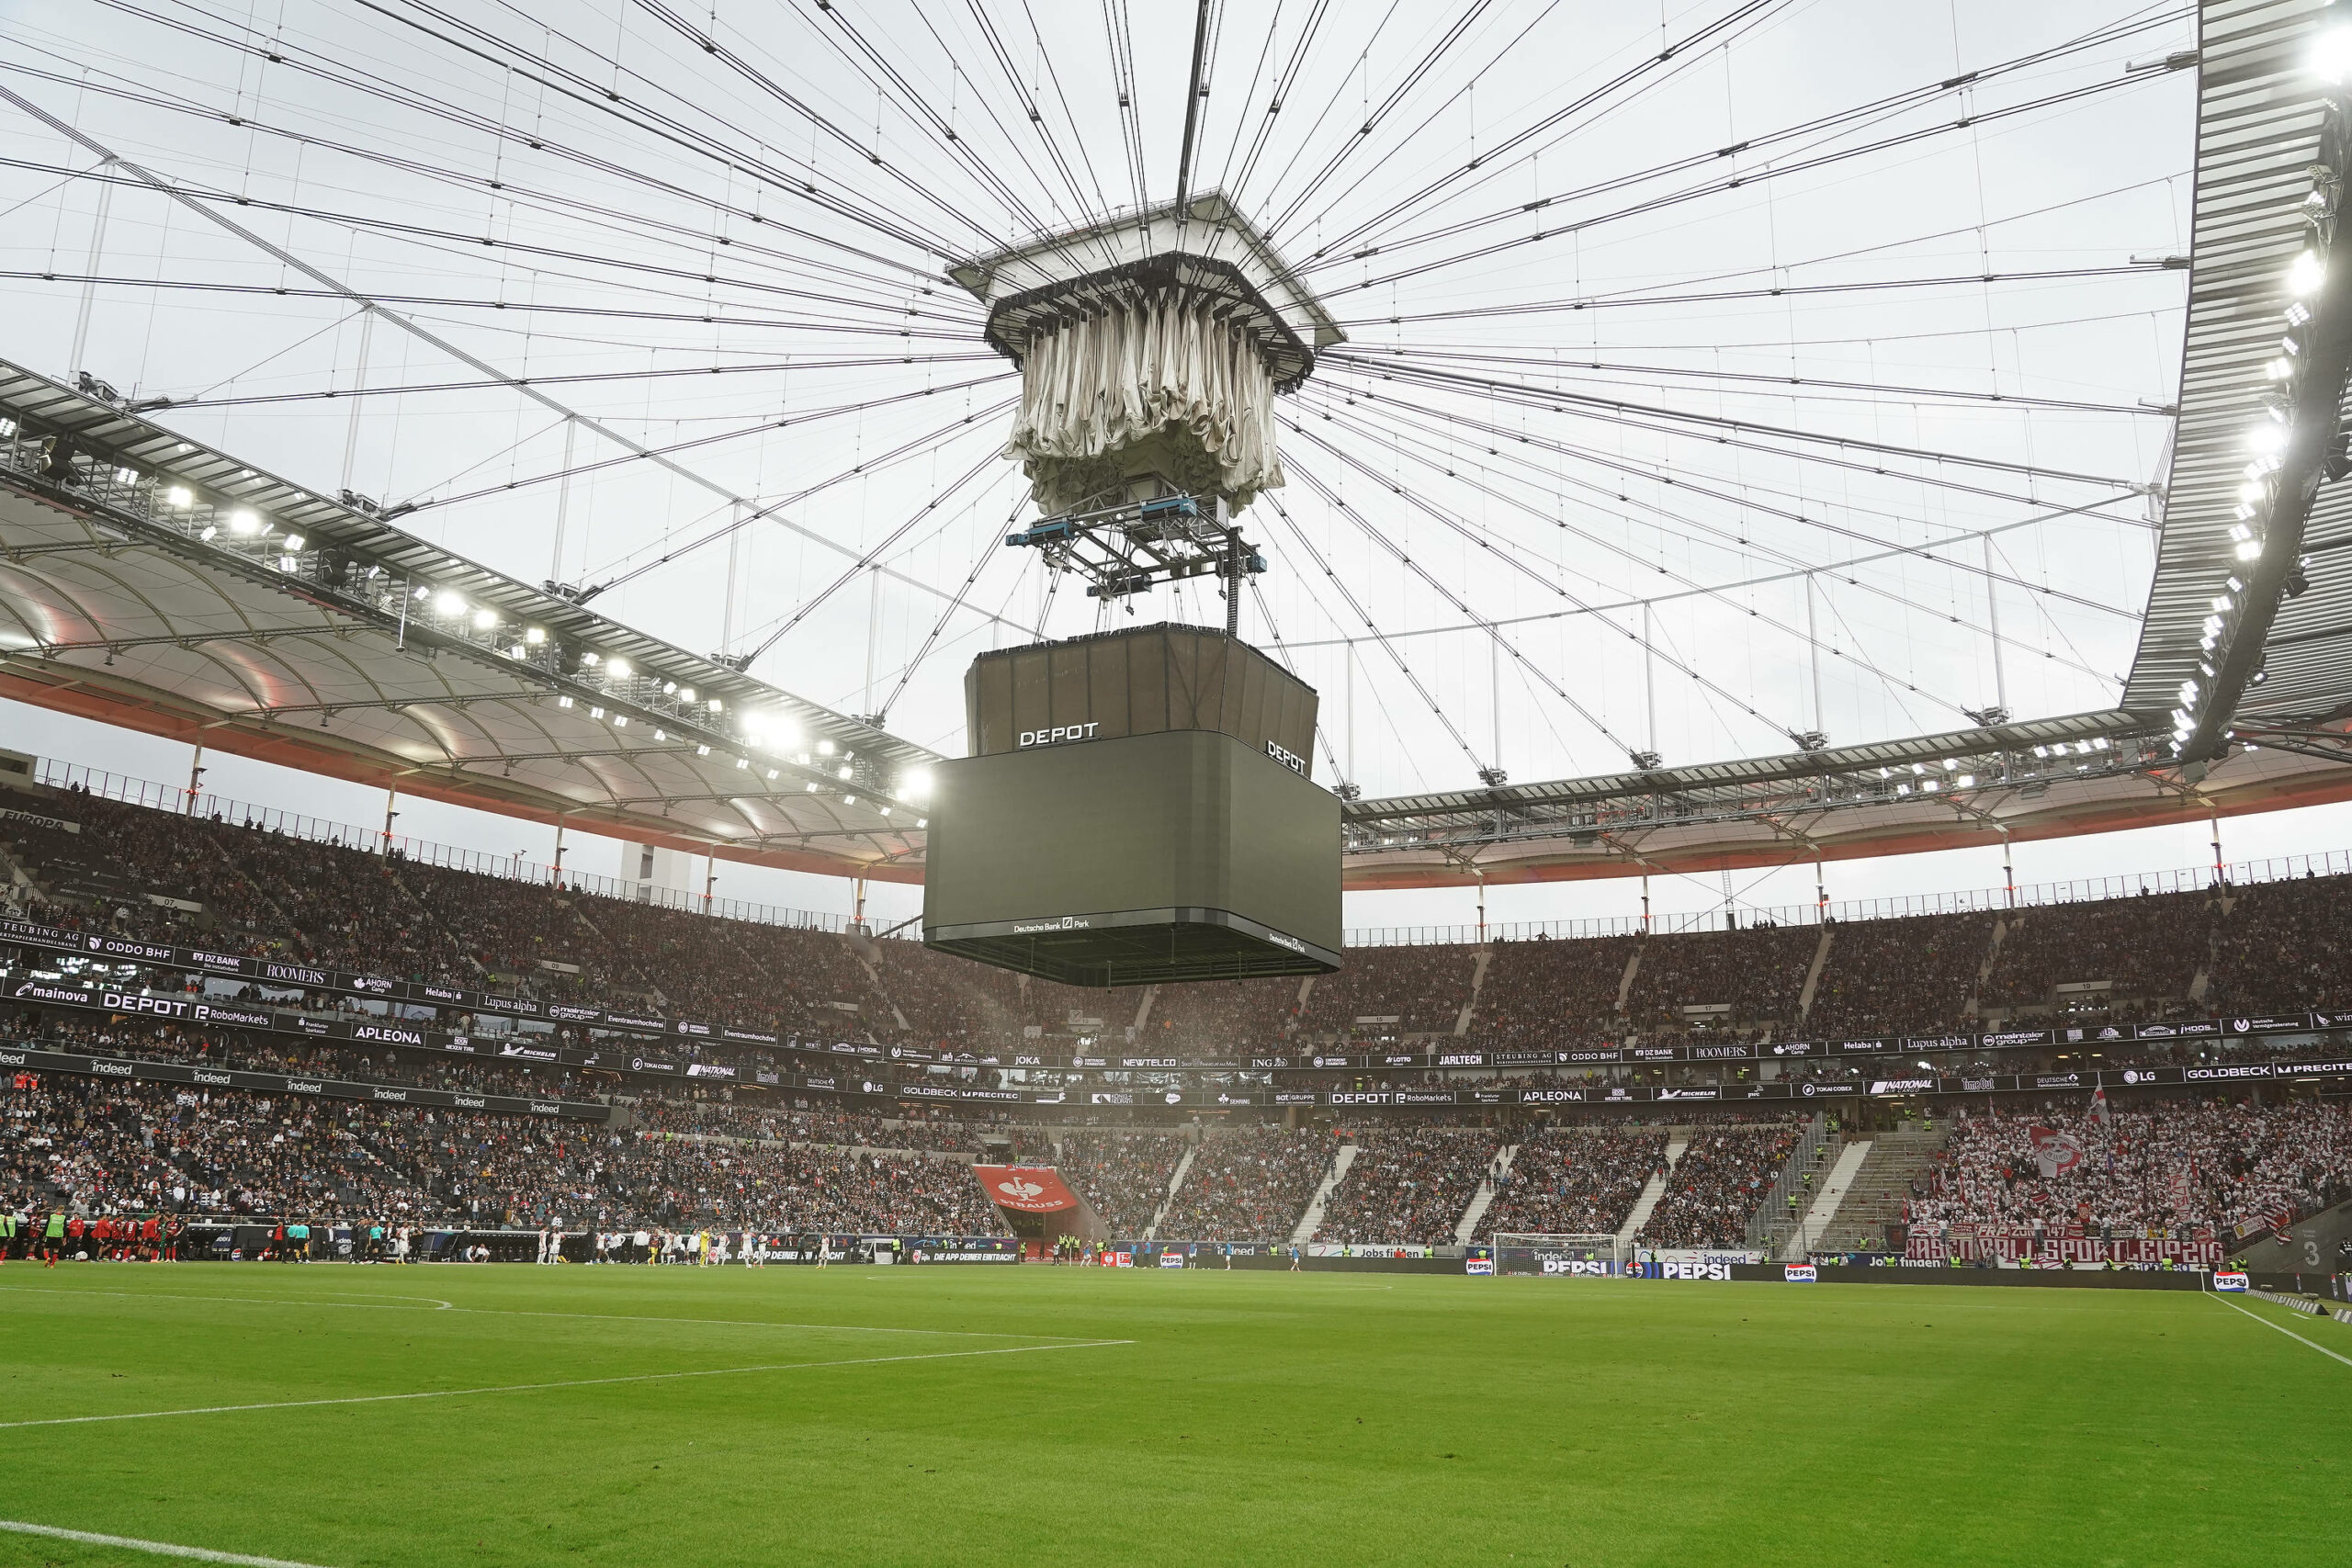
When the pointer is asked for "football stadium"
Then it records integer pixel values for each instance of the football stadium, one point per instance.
(1675, 887)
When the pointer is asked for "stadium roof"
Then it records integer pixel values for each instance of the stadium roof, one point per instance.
(2259, 116)
(169, 588)
(2259, 120)
(116, 605)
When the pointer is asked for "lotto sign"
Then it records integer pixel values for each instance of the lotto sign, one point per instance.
(1800, 1274)
(2228, 1282)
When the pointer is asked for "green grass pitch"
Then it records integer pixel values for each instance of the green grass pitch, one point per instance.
(1040, 1415)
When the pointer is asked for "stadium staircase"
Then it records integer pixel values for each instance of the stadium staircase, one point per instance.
(1298, 1006)
(1308, 1222)
(1477, 981)
(1677, 1140)
(1485, 1198)
(1801, 1174)
(1797, 1240)
(1880, 1186)
(1175, 1185)
(1813, 974)
(1972, 1007)
(1625, 981)
(424, 913)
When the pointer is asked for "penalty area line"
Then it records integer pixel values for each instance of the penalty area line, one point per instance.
(544, 1387)
(2285, 1330)
(155, 1547)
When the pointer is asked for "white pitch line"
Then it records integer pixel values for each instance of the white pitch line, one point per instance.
(388, 1304)
(528, 1312)
(158, 1548)
(2285, 1330)
(541, 1387)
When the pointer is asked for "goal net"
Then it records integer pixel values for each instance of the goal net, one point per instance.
(1591, 1253)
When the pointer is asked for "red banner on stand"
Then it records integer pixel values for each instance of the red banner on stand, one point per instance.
(1031, 1188)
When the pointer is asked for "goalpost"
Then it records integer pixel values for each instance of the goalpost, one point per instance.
(1589, 1253)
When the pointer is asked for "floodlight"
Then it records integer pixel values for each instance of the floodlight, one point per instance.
(616, 668)
(535, 636)
(450, 603)
(2306, 273)
(178, 496)
(244, 521)
(485, 619)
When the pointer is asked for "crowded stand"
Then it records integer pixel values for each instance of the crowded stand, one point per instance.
(2270, 946)
(1409, 1184)
(684, 1151)
(2148, 950)
(1758, 972)
(1248, 1184)
(1541, 991)
(2284, 947)
(1123, 1174)
(1899, 976)
(1412, 990)
(2214, 1167)
(1716, 1187)
(1215, 1016)
(122, 1148)
(1574, 1180)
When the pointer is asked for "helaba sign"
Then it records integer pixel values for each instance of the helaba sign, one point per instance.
(1059, 734)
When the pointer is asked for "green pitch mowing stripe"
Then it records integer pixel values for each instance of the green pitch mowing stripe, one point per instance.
(1206, 1418)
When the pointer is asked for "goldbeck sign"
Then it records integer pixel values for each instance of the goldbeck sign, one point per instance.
(1031, 1188)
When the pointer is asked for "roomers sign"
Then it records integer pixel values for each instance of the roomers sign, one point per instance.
(1031, 1188)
